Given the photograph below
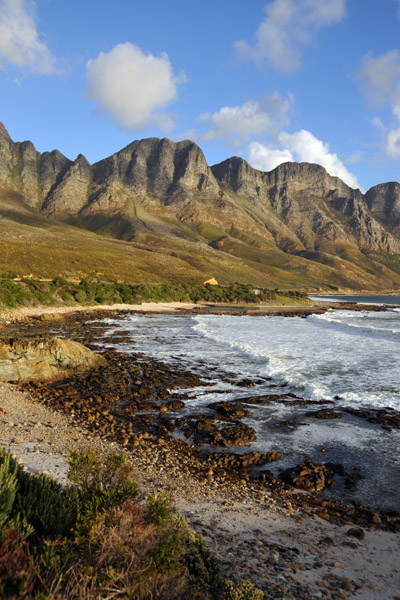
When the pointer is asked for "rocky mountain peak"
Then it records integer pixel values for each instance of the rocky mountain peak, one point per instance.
(3, 131)
(166, 188)
(383, 201)
(82, 160)
(160, 167)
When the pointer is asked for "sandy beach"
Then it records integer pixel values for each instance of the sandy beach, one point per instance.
(287, 551)
(18, 314)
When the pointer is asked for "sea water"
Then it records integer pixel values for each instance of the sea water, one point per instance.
(353, 355)
(350, 358)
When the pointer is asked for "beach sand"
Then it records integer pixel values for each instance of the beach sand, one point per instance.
(17, 314)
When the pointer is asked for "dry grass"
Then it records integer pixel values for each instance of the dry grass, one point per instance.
(129, 558)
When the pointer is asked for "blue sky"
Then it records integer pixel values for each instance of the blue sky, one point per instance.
(271, 81)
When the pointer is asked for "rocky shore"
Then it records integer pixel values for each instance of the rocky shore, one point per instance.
(281, 532)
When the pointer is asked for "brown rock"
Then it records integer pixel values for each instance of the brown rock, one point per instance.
(30, 359)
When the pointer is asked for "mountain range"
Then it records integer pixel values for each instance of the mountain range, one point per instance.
(156, 211)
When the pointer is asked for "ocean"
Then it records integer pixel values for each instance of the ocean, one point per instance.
(354, 355)
(349, 358)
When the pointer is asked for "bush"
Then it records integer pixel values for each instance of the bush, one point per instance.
(160, 508)
(94, 290)
(16, 566)
(204, 569)
(95, 539)
(241, 591)
(8, 487)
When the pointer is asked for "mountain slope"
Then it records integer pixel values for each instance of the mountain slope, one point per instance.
(294, 226)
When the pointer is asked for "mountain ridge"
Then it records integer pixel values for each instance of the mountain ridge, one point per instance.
(156, 191)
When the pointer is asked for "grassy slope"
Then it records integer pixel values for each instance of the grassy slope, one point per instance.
(30, 243)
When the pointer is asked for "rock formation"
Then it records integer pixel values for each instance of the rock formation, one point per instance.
(165, 189)
(37, 359)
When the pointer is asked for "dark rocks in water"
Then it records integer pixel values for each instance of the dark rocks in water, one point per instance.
(175, 404)
(228, 409)
(356, 532)
(287, 399)
(327, 413)
(245, 461)
(387, 418)
(302, 402)
(235, 434)
(167, 423)
(352, 479)
(327, 541)
(207, 429)
(288, 425)
(311, 477)
(265, 399)
(246, 383)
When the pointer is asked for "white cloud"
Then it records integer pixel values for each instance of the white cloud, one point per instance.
(290, 26)
(301, 146)
(253, 118)
(381, 85)
(378, 123)
(381, 78)
(393, 144)
(133, 87)
(265, 159)
(19, 39)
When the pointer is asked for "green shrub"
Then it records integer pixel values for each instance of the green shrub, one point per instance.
(101, 482)
(95, 538)
(167, 554)
(160, 508)
(204, 568)
(240, 591)
(8, 487)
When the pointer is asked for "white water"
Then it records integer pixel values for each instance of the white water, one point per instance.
(354, 355)
(350, 354)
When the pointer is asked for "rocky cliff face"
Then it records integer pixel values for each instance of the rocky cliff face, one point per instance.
(25, 170)
(312, 203)
(71, 192)
(150, 168)
(159, 187)
(383, 201)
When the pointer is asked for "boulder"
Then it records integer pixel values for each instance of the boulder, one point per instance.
(49, 359)
(311, 477)
(235, 434)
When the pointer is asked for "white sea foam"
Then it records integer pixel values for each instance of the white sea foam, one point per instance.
(349, 354)
(353, 355)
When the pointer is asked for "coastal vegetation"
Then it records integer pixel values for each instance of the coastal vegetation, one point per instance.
(100, 537)
(95, 290)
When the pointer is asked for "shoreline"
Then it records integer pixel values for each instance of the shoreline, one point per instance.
(258, 535)
(272, 537)
(12, 315)
(15, 315)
